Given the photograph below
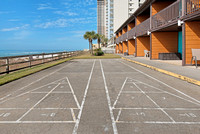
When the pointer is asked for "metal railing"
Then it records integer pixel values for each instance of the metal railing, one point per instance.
(191, 6)
(117, 40)
(166, 16)
(14, 63)
(143, 28)
(131, 33)
(125, 36)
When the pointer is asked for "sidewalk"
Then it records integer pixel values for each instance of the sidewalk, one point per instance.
(170, 66)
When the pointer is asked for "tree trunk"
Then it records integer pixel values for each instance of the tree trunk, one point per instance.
(89, 47)
(92, 47)
(98, 43)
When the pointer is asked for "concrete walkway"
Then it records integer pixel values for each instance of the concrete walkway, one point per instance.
(171, 66)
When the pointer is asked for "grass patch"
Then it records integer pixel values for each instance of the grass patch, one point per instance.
(105, 56)
(28, 71)
(25, 72)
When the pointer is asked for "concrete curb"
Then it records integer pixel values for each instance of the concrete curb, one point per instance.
(190, 80)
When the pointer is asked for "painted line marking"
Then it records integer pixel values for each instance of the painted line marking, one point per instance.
(119, 93)
(37, 108)
(119, 113)
(138, 92)
(39, 79)
(77, 103)
(30, 91)
(159, 122)
(37, 103)
(35, 122)
(184, 78)
(83, 101)
(162, 82)
(175, 109)
(5, 97)
(56, 92)
(73, 115)
(109, 102)
(155, 103)
(173, 94)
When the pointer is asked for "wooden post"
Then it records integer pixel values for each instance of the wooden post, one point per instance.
(43, 58)
(52, 57)
(30, 58)
(7, 67)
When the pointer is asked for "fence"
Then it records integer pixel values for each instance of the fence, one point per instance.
(142, 28)
(14, 63)
(166, 16)
(192, 6)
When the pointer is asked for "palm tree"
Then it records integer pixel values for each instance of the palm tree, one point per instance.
(90, 36)
(104, 40)
(99, 37)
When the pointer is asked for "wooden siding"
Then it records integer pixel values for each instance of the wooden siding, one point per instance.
(130, 26)
(120, 48)
(131, 47)
(141, 18)
(124, 30)
(117, 48)
(192, 39)
(158, 6)
(125, 47)
(164, 42)
(143, 43)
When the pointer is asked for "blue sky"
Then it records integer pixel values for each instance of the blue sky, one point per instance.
(46, 24)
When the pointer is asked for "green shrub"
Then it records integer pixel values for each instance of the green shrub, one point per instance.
(98, 52)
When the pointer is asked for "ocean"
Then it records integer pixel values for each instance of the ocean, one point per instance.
(4, 53)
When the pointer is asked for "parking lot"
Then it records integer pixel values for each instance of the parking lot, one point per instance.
(99, 96)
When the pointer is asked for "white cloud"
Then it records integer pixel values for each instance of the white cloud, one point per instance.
(57, 23)
(45, 6)
(13, 20)
(14, 28)
(21, 35)
(66, 13)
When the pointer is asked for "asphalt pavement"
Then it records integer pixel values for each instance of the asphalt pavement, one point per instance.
(110, 96)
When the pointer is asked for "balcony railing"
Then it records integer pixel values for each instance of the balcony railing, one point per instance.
(143, 28)
(131, 33)
(166, 16)
(192, 6)
(125, 36)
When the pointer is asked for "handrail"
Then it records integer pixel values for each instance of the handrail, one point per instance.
(124, 36)
(143, 28)
(191, 6)
(132, 33)
(13, 63)
(167, 15)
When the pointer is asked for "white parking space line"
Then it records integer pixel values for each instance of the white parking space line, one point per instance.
(158, 122)
(77, 103)
(73, 115)
(119, 113)
(56, 92)
(83, 101)
(35, 81)
(37, 103)
(119, 93)
(35, 122)
(172, 94)
(162, 83)
(30, 91)
(139, 108)
(137, 92)
(155, 103)
(109, 102)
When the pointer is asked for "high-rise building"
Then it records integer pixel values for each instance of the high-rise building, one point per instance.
(101, 17)
(112, 13)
